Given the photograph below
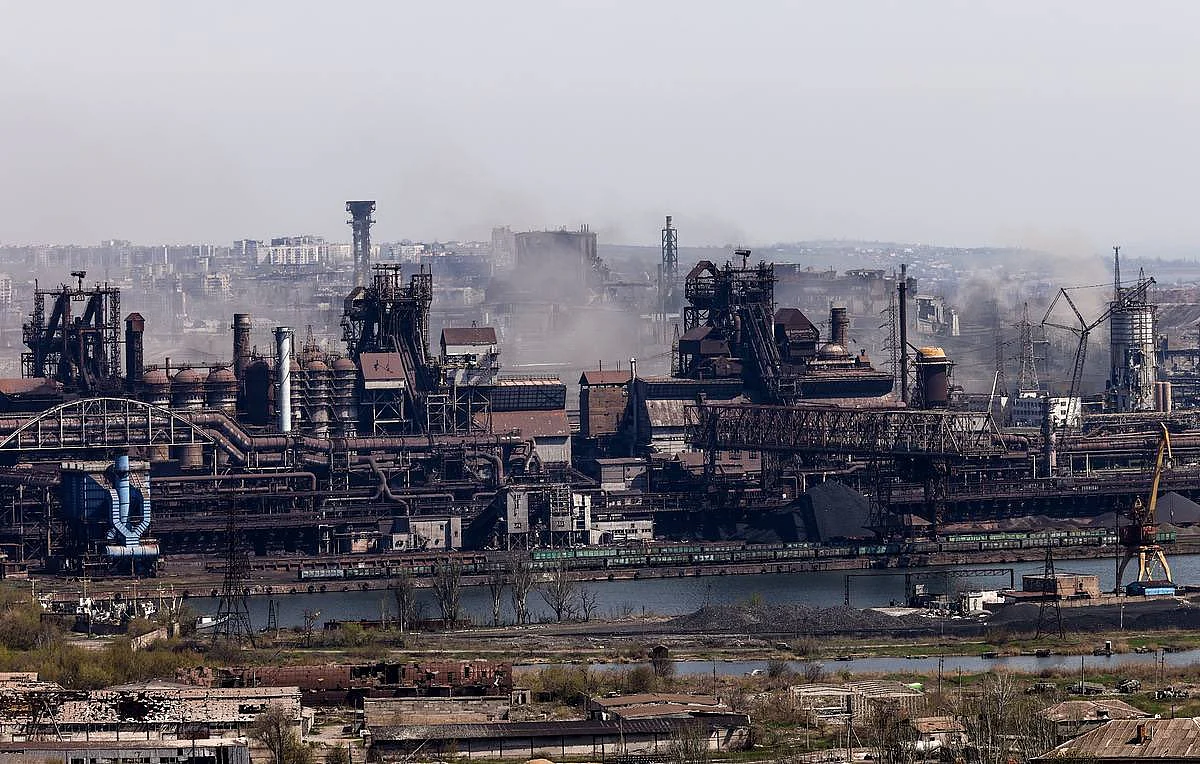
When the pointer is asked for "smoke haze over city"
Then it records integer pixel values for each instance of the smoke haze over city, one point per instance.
(981, 123)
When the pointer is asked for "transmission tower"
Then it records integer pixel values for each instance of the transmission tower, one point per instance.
(233, 611)
(1051, 603)
(1028, 377)
(892, 344)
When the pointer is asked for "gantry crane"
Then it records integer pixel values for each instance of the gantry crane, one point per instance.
(1140, 537)
(1084, 329)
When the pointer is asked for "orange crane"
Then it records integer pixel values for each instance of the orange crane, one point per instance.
(1139, 539)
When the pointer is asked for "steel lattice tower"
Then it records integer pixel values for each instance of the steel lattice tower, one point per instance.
(1051, 604)
(1028, 377)
(233, 612)
(892, 342)
(360, 222)
(668, 273)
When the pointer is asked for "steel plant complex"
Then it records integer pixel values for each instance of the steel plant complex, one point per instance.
(765, 429)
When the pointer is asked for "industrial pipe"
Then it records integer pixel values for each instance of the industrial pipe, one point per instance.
(283, 375)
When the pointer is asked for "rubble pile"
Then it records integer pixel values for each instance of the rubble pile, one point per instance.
(796, 618)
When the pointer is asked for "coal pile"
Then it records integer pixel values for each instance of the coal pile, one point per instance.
(765, 618)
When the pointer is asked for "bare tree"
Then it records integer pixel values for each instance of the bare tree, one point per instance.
(559, 592)
(404, 589)
(520, 579)
(447, 586)
(1004, 722)
(889, 733)
(275, 729)
(689, 744)
(497, 579)
(589, 601)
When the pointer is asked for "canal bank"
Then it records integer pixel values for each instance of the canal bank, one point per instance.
(673, 596)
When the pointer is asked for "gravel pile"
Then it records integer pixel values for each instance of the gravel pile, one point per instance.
(799, 619)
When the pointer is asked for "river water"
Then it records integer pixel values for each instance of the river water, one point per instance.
(928, 665)
(676, 596)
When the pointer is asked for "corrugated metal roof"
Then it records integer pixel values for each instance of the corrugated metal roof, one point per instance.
(667, 412)
(573, 727)
(1174, 739)
(381, 367)
(646, 698)
(605, 377)
(1092, 710)
(793, 319)
(930, 725)
(417, 732)
(469, 335)
(532, 423)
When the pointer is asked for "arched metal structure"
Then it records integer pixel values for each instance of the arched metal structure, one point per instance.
(92, 423)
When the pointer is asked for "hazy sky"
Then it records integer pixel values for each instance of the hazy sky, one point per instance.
(963, 122)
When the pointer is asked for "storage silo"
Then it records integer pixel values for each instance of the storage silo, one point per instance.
(220, 390)
(187, 390)
(319, 404)
(345, 396)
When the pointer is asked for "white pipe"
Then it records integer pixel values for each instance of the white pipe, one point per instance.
(283, 375)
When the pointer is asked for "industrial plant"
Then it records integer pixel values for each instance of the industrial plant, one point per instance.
(742, 426)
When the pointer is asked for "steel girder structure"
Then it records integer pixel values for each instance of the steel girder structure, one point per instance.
(813, 429)
(925, 442)
(101, 423)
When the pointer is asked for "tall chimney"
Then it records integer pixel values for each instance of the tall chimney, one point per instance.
(360, 224)
(903, 320)
(839, 324)
(135, 329)
(241, 344)
(283, 376)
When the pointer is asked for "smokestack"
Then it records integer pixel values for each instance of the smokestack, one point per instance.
(283, 375)
(241, 344)
(839, 324)
(360, 223)
(903, 319)
(135, 329)
(633, 404)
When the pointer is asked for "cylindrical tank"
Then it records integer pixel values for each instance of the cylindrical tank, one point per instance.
(283, 381)
(220, 390)
(242, 326)
(258, 392)
(933, 377)
(839, 323)
(156, 388)
(1162, 397)
(299, 378)
(345, 396)
(135, 328)
(1133, 360)
(319, 403)
(187, 389)
(191, 456)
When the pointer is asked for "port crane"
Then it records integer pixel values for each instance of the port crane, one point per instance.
(1139, 539)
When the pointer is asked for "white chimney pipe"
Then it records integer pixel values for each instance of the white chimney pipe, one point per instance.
(283, 375)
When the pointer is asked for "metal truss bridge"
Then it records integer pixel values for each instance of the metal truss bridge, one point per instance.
(816, 429)
(99, 423)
